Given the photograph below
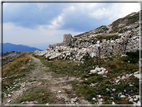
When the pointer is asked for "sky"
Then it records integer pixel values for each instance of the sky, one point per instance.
(41, 24)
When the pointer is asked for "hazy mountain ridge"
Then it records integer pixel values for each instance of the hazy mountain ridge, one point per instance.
(7, 47)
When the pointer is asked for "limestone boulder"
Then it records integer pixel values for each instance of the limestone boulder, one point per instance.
(56, 56)
(98, 70)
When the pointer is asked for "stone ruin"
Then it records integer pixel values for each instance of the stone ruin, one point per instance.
(67, 41)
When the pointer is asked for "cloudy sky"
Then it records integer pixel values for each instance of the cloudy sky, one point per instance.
(40, 24)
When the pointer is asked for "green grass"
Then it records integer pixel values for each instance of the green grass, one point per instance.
(133, 19)
(114, 64)
(10, 58)
(40, 94)
(15, 66)
(102, 29)
(14, 70)
(67, 67)
(130, 20)
(107, 37)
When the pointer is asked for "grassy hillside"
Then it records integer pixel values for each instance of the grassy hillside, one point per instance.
(119, 81)
(117, 67)
(15, 69)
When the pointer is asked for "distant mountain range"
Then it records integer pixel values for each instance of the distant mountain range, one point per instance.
(7, 47)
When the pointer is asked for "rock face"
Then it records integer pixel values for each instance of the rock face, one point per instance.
(117, 38)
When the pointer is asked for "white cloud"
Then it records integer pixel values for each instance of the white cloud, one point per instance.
(130, 7)
(69, 10)
(21, 35)
(56, 22)
(41, 5)
(113, 11)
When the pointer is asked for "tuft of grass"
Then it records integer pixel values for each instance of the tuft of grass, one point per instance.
(14, 71)
(40, 94)
(114, 64)
(107, 36)
(15, 67)
(67, 67)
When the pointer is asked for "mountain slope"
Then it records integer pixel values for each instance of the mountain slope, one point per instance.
(7, 47)
(121, 25)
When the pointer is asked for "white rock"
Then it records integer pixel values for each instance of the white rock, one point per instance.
(93, 71)
(122, 96)
(118, 77)
(123, 55)
(94, 99)
(59, 91)
(92, 84)
(101, 73)
(137, 75)
(101, 100)
(104, 76)
(9, 95)
(74, 99)
(9, 101)
(131, 85)
(123, 77)
(100, 103)
(47, 104)
(136, 97)
(99, 96)
(127, 75)
(106, 72)
(113, 103)
(55, 55)
(124, 90)
(107, 89)
(131, 100)
(137, 104)
(117, 81)
(113, 89)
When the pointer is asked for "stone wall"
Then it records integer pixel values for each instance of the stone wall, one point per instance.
(67, 41)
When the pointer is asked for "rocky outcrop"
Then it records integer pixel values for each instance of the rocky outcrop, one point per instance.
(127, 42)
(117, 43)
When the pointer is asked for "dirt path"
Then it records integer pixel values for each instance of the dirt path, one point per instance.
(57, 86)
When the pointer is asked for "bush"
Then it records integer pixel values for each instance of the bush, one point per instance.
(133, 57)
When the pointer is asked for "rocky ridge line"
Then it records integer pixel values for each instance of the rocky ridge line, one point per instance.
(112, 42)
